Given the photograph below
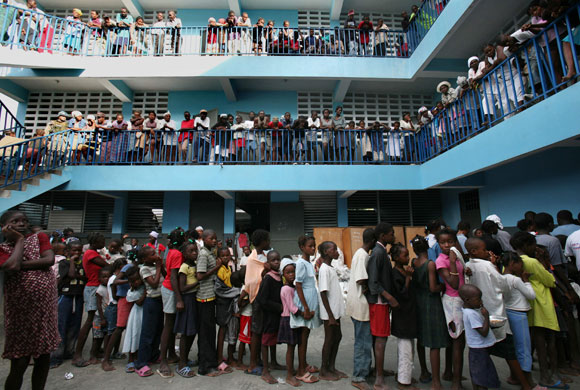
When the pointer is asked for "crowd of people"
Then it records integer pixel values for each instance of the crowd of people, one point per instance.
(123, 34)
(502, 294)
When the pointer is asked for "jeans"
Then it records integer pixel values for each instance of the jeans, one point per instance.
(206, 343)
(150, 332)
(70, 315)
(363, 350)
(522, 341)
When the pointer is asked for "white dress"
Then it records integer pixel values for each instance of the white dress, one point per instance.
(133, 332)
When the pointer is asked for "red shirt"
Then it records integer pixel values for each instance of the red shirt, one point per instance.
(186, 125)
(91, 269)
(160, 247)
(273, 126)
(43, 241)
(173, 261)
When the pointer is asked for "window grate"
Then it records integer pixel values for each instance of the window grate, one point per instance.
(145, 211)
(319, 210)
(313, 19)
(151, 101)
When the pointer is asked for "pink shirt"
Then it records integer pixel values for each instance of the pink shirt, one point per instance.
(443, 262)
(287, 297)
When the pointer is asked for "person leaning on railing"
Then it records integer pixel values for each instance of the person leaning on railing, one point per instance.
(158, 34)
(124, 22)
(139, 37)
(73, 33)
(58, 124)
(174, 26)
(169, 127)
(408, 140)
(140, 147)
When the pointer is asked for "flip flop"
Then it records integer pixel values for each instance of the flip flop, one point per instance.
(192, 363)
(256, 371)
(81, 363)
(130, 368)
(163, 375)
(144, 371)
(312, 369)
(119, 356)
(308, 378)
(185, 372)
(558, 385)
(223, 367)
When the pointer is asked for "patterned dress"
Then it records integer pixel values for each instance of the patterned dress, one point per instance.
(30, 304)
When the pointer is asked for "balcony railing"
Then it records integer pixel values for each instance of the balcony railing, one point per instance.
(29, 30)
(9, 123)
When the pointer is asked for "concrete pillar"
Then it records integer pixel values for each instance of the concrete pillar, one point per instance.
(176, 206)
(230, 217)
(342, 210)
(120, 214)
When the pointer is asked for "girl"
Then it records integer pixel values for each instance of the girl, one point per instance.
(257, 36)
(517, 308)
(185, 322)
(172, 301)
(135, 295)
(151, 272)
(30, 301)
(432, 330)
(306, 299)
(404, 321)
(450, 269)
(287, 335)
(331, 310)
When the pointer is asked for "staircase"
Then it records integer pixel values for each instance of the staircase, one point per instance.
(15, 194)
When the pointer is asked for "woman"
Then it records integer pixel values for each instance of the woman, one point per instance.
(73, 38)
(30, 301)
(381, 39)
(139, 37)
(408, 136)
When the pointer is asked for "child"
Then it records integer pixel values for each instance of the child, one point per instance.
(111, 311)
(172, 301)
(271, 305)
(226, 295)
(379, 295)
(487, 278)
(136, 296)
(331, 310)
(247, 252)
(479, 339)
(542, 316)
(92, 264)
(287, 335)
(432, 328)
(404, 326)
(114, 250)
(306, 299)
(207, 267)
(517, 307)
(71, 282)
(255, 269)
(450, 269)
(245, 313)
(59, 249)
(100, 329)
(185, 321)
(357, 308)
(152, 273)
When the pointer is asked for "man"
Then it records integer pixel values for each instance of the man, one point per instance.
(251, 135)
(153, 243)
(573, 249)
(169, 126)
(261, 123)
(203, 137)
(59, 124)
(566, 225)
(502, 236)
(158, 33)
(124, 23)
(174, 23)
(287, 135)
(358, 309)
(544, 226)
(379, 296)
(199, 241)
(350, 26)
(186, 135)
(490, 229)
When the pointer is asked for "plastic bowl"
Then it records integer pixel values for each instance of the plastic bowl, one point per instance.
(497, 321)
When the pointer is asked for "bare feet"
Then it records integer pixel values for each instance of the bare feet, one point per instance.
(268, 378)
(240, 366)
(406, 387)
(568, 76)
(93, 360)
(107, 366)
(172, 359)
(277, 366)
(457, 387)
(361, 385)
(328, 376)
(292, 381)
(339, 374)
(436, 386)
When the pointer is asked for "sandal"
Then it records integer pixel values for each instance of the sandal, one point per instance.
(256, 371)
(130, 368)
(185, 372)
(119, 356)
(308, 378)
(223, 367)
(144, 371)
(81, 363)
(558, 385)
(165, 375)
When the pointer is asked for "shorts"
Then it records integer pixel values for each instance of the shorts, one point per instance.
(168, 297)
(111, 316)
(257, 317)
(245, 335)
(123, 311)
(504, 349)
(223, 309)
(98, 331)
(269, 339)
(380, 320)
(90, 297)
(482, 369)
(452, 307)
(232, 332)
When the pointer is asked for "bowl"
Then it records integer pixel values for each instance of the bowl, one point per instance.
(497, 321)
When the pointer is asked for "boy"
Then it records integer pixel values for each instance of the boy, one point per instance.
(492, 285)
(71, 283)
(255, 270)
(100, 326)
(245, 314)
(207, 267)
(479, 339)
(357, 308)
(379, 296)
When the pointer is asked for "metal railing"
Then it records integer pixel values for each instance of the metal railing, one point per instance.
(9, 124)
(31, 30)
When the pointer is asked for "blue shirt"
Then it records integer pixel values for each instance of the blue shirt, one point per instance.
(122, 289)
(565, 230)
(472, 320)
(434, 252)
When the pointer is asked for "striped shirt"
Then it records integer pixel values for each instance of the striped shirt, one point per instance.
(206, 261)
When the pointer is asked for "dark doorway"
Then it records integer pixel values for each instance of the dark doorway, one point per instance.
(469, 207)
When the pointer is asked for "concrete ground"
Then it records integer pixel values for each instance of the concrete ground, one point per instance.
(93, 377)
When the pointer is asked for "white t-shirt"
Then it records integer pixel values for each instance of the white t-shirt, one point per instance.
(169, 136)
(471, 74)
(205, 123)
(519, 293)
(110, 291)
(244, 261)
(159, 28)
(328, 281)
(573, 247)
(356, 303)
(104, 294)
(247, 23)
(174, 23)
(311, 133)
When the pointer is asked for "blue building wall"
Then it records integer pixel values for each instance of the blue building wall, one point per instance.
(277, 15)
(272, 102)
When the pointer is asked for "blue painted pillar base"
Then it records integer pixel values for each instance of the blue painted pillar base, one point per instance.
(342, 210)
(120, 214)
(175, 210)
(230, 216)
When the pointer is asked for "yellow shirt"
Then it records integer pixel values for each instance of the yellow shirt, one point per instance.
(224, 274)
(543, 313)
(189, 273)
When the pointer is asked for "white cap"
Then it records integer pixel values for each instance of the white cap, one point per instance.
(76, 113)
(167, 113)
(154, 234)
(471, 59)
(199, 228)
(91, 117)
(495, 219)
(286, 262)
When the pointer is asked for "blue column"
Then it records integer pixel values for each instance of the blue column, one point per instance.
(342, 210)
(284, 196)
(128, 111)
(230, 216)
(120, 214)
(175, 210)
